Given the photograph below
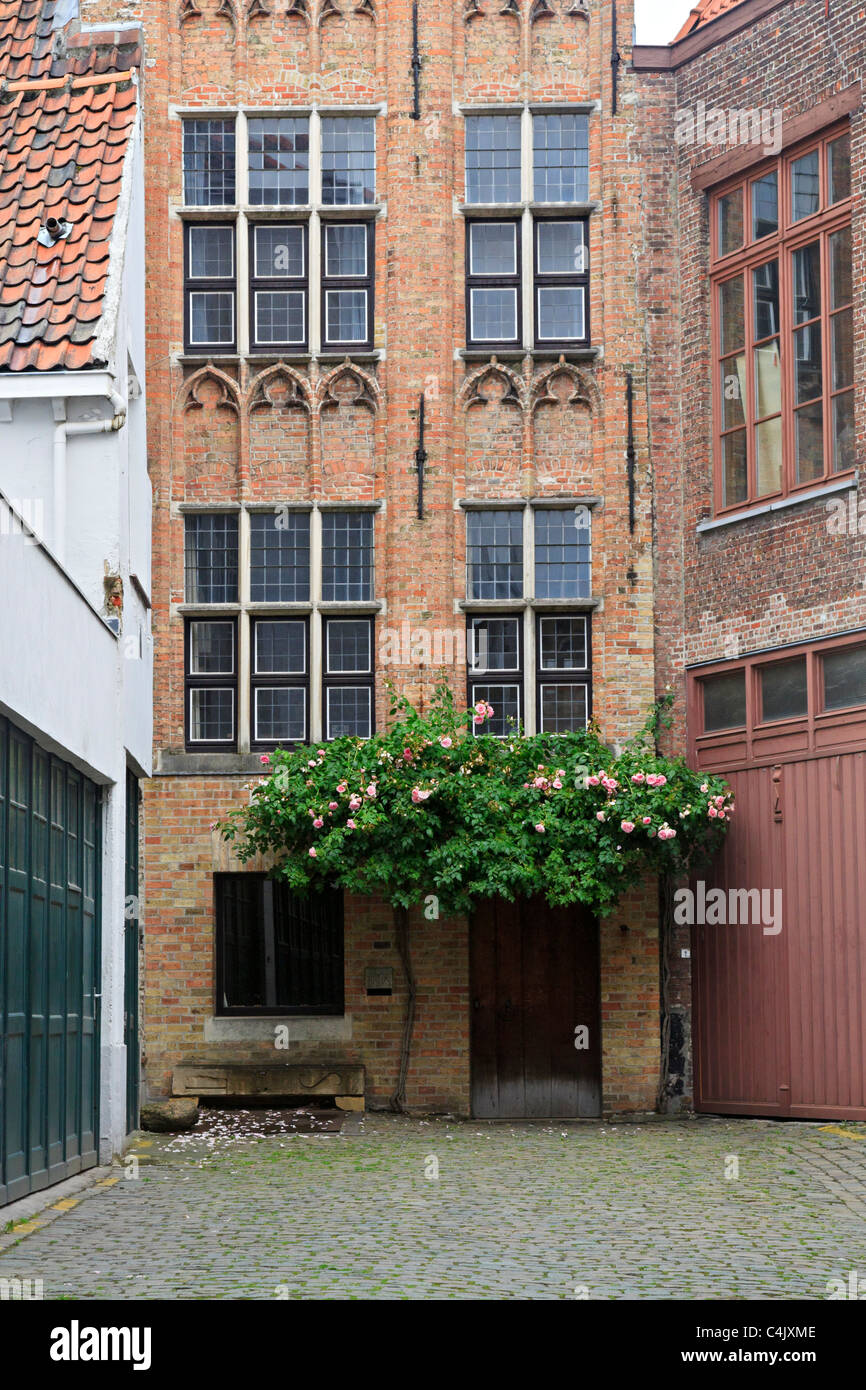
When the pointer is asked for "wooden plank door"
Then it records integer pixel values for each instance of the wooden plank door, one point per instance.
(534, 981)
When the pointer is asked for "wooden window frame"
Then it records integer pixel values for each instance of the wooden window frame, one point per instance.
(495, 282)
(341, 679)
(268, 680)
(263, 284)
(200, 285)
(561, 676)
(789, 237)
(366, 283)
(565, 280)
(209, 682)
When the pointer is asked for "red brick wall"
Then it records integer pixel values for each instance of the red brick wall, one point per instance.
(316, 431)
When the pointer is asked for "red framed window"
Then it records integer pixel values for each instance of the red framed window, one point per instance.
(782, 324)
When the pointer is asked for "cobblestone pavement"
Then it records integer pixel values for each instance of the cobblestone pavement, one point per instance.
(243, 1208)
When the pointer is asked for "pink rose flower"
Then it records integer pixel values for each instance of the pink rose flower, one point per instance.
(627, 826)
(354, 802)
(264, 759)
(704, 787)
(646, 820)
(445, 741)
(599, 815)
(318, 822)
(557, 784)
(332, 805)
(371, 790)
(712, 812)
(478, 718)
(342, 787)
(540, 827)
(313, 854)
(593, 781)
(481, 707)
(638, 777)
(407, 754)
(350, 824)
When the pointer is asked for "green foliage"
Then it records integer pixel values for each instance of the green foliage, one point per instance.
(434, 806)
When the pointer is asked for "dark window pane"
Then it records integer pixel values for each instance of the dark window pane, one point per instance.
(280, 316)
(209, 162)
(734, 479)
(280, 714)
(765, 205)
(493, 248)
(808, 366)
(561, 312)
(348, 646)
(806, 265)
(346, 316)
(495, 644)
(839, 168)
(349, 711)
(766, 290)
(211, 558)
(279, 253)
(279, 557)
(809, 427)
(783, 690)
(841, 285)
(494, 315)
(844, 677)
(562, 644)
(732, 324)
(211, 253)
(563, 708)
(280, 648)
(211, 649)
(493, 159)
(494, 554)
(560, 158)
(347, 556)
(348, 160)
(730, 221)
(346, 248)
(211, 715)
(562, 554)
(843, 432)
(724, 701)
(279, 160)
(505, 702)
(279, 952)
(805, 190)
(212, 318)
(561, 248)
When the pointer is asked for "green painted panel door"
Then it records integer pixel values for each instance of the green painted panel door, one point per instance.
(50, 852)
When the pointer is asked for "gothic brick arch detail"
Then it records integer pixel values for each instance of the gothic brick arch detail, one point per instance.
(257, 9)
(261, 389)
(511, 7)
(227, 8)
(471, 393)
(189, 10)
(368, 8)
(328, 9)
(367, 391)
(541, 9)
(299, 7)
(228, 389)
(472, 10)
(584, 387)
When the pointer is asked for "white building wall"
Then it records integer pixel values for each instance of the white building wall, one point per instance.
(80, 688)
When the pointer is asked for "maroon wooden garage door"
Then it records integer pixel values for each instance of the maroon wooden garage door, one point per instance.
(536, 1030)
(779, 1016)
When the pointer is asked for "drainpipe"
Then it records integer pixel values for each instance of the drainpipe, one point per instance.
(62, 432)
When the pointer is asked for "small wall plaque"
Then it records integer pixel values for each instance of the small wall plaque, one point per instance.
(379, 979)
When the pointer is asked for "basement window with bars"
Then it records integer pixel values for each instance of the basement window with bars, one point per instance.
(554, 267)
(278, 953)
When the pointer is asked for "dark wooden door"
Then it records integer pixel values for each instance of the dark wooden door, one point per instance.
(535, 1006)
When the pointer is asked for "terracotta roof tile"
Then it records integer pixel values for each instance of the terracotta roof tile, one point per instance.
(62, 152)
(704, 13)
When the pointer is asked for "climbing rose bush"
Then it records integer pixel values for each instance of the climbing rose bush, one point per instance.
(435, 808)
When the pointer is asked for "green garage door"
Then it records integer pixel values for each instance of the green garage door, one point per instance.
(49, 967)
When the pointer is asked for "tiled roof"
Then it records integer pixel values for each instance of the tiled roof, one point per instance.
(63, 141)
(704, 13)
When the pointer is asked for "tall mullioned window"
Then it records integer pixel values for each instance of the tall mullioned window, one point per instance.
(782, 324)
(540, 235)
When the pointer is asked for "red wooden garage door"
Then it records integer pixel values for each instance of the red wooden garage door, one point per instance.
(779, 1016)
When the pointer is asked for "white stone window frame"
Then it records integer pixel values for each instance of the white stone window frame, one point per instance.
(315, 609)
(244, 214)
(528, 210)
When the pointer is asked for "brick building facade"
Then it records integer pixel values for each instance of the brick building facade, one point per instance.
(755, 138)
(304, 403)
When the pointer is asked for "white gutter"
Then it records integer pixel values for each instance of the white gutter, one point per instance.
(62, 432)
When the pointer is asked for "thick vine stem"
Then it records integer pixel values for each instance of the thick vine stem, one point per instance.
(401, 923)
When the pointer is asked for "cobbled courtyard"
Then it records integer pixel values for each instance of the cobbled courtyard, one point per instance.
(247, 1206)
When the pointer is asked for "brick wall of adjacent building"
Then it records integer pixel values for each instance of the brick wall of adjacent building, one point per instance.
(780, 577)
(524, 426)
